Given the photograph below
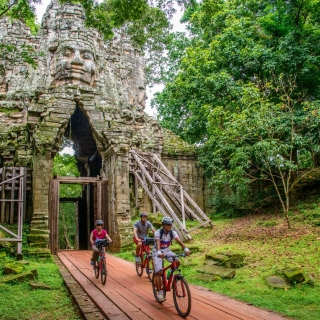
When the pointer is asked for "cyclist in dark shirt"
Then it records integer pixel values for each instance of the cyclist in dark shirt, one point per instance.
(140, 231)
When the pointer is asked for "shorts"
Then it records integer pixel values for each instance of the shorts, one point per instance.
(157, 261)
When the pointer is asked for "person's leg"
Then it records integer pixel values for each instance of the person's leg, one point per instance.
(157, 264)
(95, 254)
(138, 248)
(170, 254)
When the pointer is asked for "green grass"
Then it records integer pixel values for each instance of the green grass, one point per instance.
(268, 245)
(19, 301)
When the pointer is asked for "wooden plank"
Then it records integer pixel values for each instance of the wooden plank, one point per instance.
(53, 215)
(11, 179)
(132, 299)
(133, 295)
(179, 227)
(9, 231)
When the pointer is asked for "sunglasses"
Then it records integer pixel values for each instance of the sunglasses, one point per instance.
(99, 225)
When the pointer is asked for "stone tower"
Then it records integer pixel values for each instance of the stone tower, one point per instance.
(94, 93)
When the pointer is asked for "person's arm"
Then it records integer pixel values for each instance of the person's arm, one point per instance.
(160, 254)
(91, 238)
(153, 230)
(107, 237)
(183, 246)
(135, 233)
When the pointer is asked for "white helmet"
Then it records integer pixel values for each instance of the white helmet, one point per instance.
(166, 220)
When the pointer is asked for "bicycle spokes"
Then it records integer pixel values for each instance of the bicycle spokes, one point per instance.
(181, 296)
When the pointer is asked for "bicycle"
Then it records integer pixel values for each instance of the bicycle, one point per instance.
(100, 265)
(181, 291)
(146, 260)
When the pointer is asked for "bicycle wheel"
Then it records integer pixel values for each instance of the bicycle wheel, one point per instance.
(103, 271)
(181, 296)
(139, 268)
(154, 287)
(96, 269)
(149, 268)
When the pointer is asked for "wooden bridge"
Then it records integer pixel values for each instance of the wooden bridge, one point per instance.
(127, 296)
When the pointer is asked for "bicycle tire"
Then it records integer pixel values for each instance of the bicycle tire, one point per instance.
(96, 269)
(149, 268)
(103, 271)
(181, 296)
(139, 268)
(154, 287)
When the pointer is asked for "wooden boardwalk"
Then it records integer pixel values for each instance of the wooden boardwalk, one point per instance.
(127, 296)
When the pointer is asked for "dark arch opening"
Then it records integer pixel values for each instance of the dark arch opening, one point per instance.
(89, 161)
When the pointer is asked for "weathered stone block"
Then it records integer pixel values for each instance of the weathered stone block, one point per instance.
(224, 273)
(276, 282)
(294, 275)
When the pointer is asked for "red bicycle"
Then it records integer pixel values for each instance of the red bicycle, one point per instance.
(181, 291)
(100, 266)
(146, 260)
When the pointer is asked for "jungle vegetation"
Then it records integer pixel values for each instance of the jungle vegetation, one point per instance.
(246, 91)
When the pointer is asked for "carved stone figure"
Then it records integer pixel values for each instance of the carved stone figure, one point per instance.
(89, 91)
(74, 62)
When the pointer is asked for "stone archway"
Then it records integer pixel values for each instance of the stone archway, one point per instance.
(83, 85)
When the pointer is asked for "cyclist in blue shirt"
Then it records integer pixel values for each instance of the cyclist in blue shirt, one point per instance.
(163, 238)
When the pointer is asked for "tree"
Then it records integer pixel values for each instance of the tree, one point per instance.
(244, 59)
(264, 141)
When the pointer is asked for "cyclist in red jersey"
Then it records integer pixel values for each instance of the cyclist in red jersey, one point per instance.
(97, 233)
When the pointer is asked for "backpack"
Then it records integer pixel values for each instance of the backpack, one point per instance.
(170, 233)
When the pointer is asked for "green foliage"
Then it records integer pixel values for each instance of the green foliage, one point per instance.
(37, 303)
(65, 165)
(247, 92)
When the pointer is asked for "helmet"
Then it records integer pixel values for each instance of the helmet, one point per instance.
(166, 220)
(99, 222)
(143, 214)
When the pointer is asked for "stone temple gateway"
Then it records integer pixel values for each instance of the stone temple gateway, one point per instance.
(92, 92)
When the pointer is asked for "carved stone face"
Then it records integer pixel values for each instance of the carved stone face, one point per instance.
(74, 63)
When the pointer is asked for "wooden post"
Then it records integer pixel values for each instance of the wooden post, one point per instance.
(98, 199)
(3, 196)
(77, 225)
(20, 211)
(182, 208)
(136, 186)
(13, 184)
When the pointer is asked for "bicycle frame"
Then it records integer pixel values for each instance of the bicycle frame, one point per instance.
(167, 282)
(100, 265)
(144, 254)
(180, 287)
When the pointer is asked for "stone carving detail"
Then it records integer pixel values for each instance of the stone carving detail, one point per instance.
(74, 62)
(77, 73)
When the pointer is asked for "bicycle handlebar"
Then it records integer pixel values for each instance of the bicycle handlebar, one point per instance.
(183, 254)
(101, 242)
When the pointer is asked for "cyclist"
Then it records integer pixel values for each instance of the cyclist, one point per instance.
(97, 233)
(140, 231)
(163, 238)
